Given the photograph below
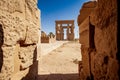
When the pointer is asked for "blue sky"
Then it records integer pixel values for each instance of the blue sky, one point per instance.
(52, 10)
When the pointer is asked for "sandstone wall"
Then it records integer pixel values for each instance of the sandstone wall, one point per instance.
(45, 39)
(48, 39)
(98, 36)
(19, 33)
(83, 23)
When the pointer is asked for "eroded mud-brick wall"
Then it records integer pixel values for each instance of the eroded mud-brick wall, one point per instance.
(19, 34)
(98, 36)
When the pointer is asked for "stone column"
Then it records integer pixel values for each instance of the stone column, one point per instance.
(68, 32)
(72, 29)
(56, 25)
(60, 32)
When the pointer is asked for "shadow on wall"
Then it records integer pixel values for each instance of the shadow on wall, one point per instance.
(91, 35)
(1, 43)
(74, 76)
(33, 71)
(118, 39)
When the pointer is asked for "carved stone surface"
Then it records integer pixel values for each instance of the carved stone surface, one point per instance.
(19, 34)
(98, 28)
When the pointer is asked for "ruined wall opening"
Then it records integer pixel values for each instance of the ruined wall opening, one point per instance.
(65, 34)
(91, 35)
(92, 45)
(65, 58)
(1, 43)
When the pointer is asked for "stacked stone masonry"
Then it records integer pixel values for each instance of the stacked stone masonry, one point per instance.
(19, 34)
(98, 37)
(50, 38)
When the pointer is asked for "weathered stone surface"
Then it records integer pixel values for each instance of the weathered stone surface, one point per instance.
(83, 20)
(12, 6)
(85, 11)
(100, 33)
(19, 34)
(84, 33)
(26, 55)
(50, 38)
(32, 34)
(10, 28)
(8, 62)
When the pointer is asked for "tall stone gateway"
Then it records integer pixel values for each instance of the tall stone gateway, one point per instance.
(19, 34)
(65, 24)
(98, 37)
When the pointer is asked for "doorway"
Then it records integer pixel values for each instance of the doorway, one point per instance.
(65, 34)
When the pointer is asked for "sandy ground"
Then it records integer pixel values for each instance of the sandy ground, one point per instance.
(47, 48)
(61, 63)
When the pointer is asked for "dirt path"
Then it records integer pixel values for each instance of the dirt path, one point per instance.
(61, 64)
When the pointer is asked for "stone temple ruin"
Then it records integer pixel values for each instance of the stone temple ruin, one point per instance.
(64, 24)
(19, 36)
(50, 38)
(98, 37)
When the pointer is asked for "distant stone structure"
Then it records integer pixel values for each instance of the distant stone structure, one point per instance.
(64, 24)
(50, 38)
(19, 34)
(98, 37)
